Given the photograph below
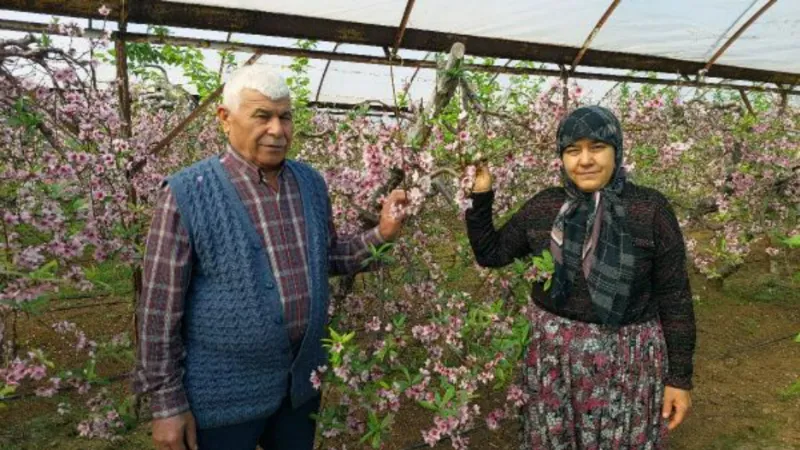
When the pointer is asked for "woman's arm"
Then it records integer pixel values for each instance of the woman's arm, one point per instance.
(672, 292)
(495, 248)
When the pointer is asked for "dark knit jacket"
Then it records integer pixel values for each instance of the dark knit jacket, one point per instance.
(661, 285)
(238, 358)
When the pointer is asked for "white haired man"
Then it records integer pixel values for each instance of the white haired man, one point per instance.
(235, 292)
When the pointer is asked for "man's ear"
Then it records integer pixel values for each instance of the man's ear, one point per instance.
(223, 114)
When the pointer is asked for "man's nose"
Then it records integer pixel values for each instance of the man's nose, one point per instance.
(274, 127)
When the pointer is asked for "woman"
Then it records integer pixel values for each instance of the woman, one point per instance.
(609, 365)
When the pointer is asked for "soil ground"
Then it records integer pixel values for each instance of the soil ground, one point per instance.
(746, 362)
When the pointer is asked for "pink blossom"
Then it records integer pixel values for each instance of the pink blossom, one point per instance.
(493, 419)
(517, 396)
(316, 382)
(374, 324)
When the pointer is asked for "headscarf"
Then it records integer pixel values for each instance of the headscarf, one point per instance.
(589, 234)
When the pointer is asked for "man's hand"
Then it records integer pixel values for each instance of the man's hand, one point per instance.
(677, 403)
(483, 179)
(175, 433)
(392, 214)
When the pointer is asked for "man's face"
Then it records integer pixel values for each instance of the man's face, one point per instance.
(589, 164)
(260, 129)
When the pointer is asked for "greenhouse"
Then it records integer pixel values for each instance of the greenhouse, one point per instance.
(440, 160)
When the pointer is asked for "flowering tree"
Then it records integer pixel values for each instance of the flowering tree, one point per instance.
(73, 198)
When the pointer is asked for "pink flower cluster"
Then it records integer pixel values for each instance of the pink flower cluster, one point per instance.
(104, 420)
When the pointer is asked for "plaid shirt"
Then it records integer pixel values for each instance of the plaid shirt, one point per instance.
(278, 217)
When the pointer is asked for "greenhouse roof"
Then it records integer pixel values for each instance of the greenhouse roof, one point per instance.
(756, 41)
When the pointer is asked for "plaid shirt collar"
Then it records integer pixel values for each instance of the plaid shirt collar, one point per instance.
(235, 162)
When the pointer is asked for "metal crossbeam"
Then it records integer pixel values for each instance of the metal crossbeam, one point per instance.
(263, 23)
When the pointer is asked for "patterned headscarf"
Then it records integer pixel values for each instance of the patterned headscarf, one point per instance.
(589, 233)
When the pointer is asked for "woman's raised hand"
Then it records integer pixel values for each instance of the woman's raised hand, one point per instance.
(483, 179)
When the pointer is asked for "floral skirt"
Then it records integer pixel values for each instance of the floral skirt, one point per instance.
(593, 386)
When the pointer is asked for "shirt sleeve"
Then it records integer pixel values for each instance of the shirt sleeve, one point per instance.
(347, 254)
(672, 292)
(160, 350)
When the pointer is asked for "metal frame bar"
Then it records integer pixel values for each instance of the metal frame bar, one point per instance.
(736, 35)
(373, 107)
(377, 60)
(292, 26)
(593, 34)
(324, 73)
(747, 103)
(402, 30)
(356, 58)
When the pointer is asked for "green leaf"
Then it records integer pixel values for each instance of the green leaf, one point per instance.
(451, 392)
(7, 390)
(793, 241)
(46, 271)
(335, 337)
(366, 437)
(797, 338)
(428, 405)
(43, 359)
(372, 421)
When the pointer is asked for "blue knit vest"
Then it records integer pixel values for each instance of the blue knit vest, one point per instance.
(238, 356)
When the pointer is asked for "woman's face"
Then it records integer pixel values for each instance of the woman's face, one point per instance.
(589, 164)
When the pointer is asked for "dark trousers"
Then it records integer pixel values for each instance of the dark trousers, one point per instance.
(285, 429)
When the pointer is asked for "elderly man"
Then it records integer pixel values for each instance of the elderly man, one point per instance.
(235, 292)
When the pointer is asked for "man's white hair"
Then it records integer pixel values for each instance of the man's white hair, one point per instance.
(258, 77)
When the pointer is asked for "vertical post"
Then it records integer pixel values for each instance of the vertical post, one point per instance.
(123, 87)
(784, 101)
(123, 90)
(564, 88)
(91, 57)
(747, 103)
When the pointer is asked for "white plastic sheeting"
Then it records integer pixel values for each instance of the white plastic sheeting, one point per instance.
(683, 29)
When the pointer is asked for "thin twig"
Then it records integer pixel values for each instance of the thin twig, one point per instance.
(448, 438)
(68, 388)
(93, 305)
(443, 171)
(729, 353)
